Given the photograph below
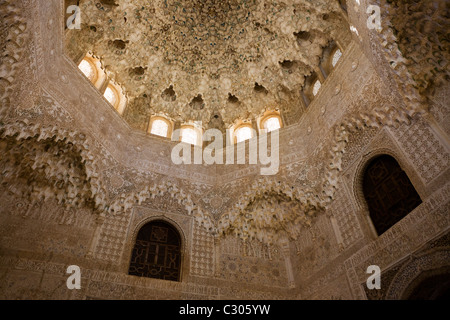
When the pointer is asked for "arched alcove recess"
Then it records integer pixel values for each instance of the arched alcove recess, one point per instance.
(420, 272)
(358, 181)
(388, 191)
(41, 151)
(430, 285)
(159, 221)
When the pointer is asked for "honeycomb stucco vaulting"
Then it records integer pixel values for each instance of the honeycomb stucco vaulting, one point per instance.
(101, 166)
(69, 159)
(216, 49)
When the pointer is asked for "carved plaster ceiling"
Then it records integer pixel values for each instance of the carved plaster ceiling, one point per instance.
(44, 156)
(200, 60)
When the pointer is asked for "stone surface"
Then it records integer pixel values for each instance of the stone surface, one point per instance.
(78, 180)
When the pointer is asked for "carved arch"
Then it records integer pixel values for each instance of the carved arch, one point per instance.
(184, 261)
(364, 162)
(432, 262)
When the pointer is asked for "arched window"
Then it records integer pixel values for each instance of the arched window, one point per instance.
(88, 69)
(270, 120)
(336, 56)
(157, 252)
(316, 87)
(272, 123)
(311, 87)
(243, 132)
(389, 193)
(91, 67)
(189, 134)
(111, 95)
(115, 96)
(331, 54)
(160, 126)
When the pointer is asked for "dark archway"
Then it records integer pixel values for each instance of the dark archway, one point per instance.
(157, 252)
(389, 193)
(436, 287)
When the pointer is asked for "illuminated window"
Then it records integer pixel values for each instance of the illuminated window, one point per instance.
(243, 133)
(270, 120)
(337, 55)
(111, 95)
(87, 69)
(189, 135)
(272, 123)
(92, 68)
(316, 87)
(160, 128)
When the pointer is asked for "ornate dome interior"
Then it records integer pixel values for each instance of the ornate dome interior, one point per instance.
(346, 100)
(209, 61)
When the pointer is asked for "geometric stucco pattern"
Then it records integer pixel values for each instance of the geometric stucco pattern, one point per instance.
(301, 203)
(428, 154)
(77, 181)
